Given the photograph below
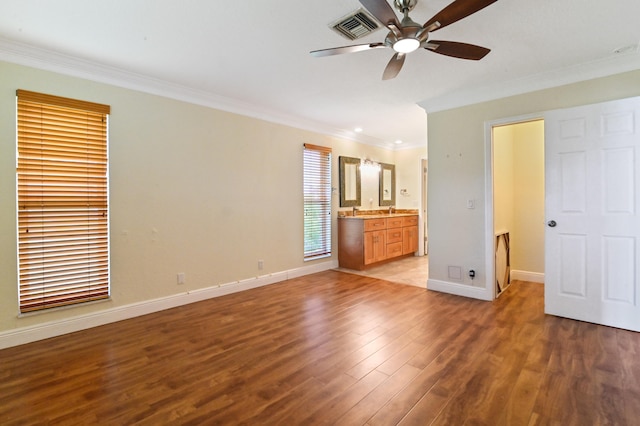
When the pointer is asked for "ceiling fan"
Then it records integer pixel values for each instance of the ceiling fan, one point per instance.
(407, 35)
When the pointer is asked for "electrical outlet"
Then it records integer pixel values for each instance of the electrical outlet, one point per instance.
(261, 264)
(181, 278)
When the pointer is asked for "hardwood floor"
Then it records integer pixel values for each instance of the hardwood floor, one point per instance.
(331, 348)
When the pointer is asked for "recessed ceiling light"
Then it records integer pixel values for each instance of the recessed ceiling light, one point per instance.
(358, 129)
(398, 142)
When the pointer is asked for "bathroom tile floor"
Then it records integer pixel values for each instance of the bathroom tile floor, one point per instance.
(411, 270)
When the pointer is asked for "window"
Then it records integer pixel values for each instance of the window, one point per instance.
(63, 230)
(317, 202)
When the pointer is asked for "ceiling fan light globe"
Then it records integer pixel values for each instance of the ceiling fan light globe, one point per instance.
(406, 45)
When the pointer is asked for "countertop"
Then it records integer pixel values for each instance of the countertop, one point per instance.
(368, 214)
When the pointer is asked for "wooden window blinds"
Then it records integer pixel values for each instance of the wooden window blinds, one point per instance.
(317, 202)
(63, 230)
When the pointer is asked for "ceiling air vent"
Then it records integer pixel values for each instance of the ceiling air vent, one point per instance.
(356, 25)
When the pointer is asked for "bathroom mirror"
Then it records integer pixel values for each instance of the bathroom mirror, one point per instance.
(387, 184)
(349, 182)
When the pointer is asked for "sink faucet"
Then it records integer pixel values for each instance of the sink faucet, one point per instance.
(355, 210)
(390, 209)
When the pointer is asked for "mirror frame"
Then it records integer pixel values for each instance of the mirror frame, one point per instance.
(382, 201)
(344, 202)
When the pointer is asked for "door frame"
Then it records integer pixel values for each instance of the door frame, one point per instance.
(490, 240)
(423, 249)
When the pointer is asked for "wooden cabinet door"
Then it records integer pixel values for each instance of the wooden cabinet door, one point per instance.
(374, 246)
(409, 239)
(369, 243)
(381, 246)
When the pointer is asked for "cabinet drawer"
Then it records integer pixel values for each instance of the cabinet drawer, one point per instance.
(374, 224)
(394, 249)
(394, 235)
(409, 220)
(394, 222)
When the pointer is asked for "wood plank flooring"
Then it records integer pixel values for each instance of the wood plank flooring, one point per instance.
(331, 348)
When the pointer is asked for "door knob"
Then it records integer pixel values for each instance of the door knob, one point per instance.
(552, 223)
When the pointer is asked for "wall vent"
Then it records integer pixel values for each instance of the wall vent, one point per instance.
(356, 25)
(455, 273)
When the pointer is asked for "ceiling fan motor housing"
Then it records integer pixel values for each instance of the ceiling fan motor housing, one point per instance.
(408, 30)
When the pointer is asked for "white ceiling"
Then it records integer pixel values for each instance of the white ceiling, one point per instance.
(253, 57)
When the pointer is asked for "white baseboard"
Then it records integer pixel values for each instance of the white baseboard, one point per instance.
(534, 277)
(30, 334)
(459, 289)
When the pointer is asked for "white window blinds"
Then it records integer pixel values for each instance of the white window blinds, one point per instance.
(63, 238)
(317, 202)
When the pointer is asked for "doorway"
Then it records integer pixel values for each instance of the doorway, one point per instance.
(413, 270)
(592, 164)
(518, 202)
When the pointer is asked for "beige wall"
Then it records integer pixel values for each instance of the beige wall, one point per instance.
(503, 184)
(527, 247)
(409, 177)
(192, 189)
(518, 192)
(457, 168)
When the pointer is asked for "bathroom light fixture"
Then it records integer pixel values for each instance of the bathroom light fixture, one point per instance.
(398, 142)
(358, 129)
(366, 164)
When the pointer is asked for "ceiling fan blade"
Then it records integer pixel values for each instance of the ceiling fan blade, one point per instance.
(346, 49)
(394, 66)
(382, 11)
(457, 50)
(456, 11)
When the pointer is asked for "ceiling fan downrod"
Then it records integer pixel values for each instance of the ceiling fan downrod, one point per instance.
(405, 6)
(405, 39)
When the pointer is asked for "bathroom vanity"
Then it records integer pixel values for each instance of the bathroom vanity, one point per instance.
(367, 240)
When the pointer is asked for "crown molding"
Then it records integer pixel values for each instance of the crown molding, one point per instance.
(611, 65)
(44, 59)
(36, 57)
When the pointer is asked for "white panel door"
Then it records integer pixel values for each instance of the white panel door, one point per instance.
(592, 184)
